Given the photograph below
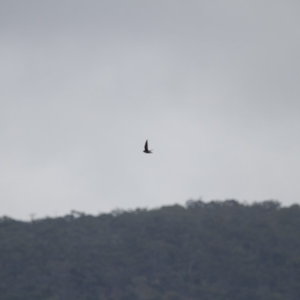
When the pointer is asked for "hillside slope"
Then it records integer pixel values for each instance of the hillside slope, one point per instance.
(216, 250)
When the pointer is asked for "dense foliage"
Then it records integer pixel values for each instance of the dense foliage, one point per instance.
(216, 250)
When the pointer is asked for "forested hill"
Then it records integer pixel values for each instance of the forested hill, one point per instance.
(213, 251)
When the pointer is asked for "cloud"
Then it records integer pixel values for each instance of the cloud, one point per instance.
(213, 85)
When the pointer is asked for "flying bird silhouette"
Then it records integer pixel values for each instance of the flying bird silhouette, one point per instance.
(146, 150)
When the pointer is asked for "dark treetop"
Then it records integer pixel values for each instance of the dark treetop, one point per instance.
(212, 251)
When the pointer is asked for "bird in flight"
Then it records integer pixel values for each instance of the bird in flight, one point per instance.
(146, 148)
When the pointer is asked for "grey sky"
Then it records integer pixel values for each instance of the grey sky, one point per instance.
(213, 85)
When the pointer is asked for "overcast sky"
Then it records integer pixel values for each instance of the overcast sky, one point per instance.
(213, 85)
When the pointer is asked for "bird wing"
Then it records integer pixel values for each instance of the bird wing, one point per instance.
(146, 146)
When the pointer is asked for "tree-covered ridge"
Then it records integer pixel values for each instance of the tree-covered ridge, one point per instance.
(216, 250)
